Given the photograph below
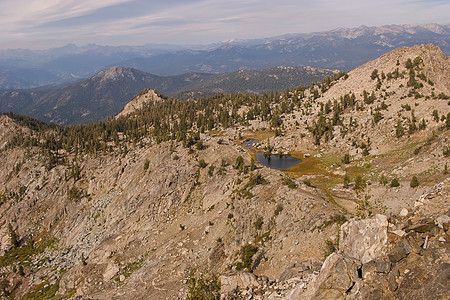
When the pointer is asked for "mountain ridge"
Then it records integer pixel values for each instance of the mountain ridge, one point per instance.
(336, 49)
(106, 93)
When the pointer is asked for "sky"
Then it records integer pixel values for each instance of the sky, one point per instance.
(42, 24)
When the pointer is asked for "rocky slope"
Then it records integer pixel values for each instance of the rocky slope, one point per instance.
(400, 257)
(144, 98)
(158, 223)
(146, 210)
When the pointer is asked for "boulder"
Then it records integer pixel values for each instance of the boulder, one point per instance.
(404, 212)
(383, 266)
(231, 281)
(5, 240)
(338, 277)
(110, 271)
(422, 226)
(443, 222)
(364, 240)
(400, 251)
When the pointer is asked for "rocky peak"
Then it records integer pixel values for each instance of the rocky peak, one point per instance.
(145, 97)
(115, 73)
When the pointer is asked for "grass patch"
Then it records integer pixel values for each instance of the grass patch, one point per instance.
(216, 132)
(255, 179)
(287, 180)
(203, 287)
(308, 166)
(313, 165)
(133, 266)
(27, 251)
(405, 151)
(278, 209)
(246, 254)
(339, 219)
(330, 196)
(44, 290)
(258, 135)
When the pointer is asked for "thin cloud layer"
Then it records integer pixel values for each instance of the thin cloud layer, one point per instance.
(48, 23)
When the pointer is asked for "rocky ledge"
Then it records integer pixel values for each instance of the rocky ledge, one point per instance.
(396, 257)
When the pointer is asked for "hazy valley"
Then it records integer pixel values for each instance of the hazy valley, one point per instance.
(343, 48)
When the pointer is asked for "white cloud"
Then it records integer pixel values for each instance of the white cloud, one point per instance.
(44, 23)
(22, 14)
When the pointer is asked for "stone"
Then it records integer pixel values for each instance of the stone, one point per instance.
(428, 276)
(110, 271)
(337, 277)
(443, 222)
(364, 240)
(392, 280)
(5, 240)
(422, 227)
(289, 273)
(399, 232)
(216, 254)
(232, 280)
(404, 212)
(257, 258)
(383, 265)
(368, 268)
(415, 242)
(400, 251)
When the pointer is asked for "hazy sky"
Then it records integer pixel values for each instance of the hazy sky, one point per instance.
(38, 24)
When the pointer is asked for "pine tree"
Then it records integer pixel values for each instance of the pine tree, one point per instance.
(414, 182)
(395, 183)
(252, 164)
(346, 181)
(399, 130)
(239, 163)
(346, 159)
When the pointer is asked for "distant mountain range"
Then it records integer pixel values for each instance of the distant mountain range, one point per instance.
(338, 49)
(106, 93)
(252, 81)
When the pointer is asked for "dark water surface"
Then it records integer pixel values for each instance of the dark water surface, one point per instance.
(273, 161)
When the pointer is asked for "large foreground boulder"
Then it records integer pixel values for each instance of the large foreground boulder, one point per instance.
(338, 278)
(364, 240)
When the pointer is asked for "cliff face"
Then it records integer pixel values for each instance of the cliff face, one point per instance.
(129, 214)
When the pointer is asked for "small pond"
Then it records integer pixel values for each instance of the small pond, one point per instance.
(273, 161)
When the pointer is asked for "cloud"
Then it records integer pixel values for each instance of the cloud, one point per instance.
(44, 23)
(22, 12)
